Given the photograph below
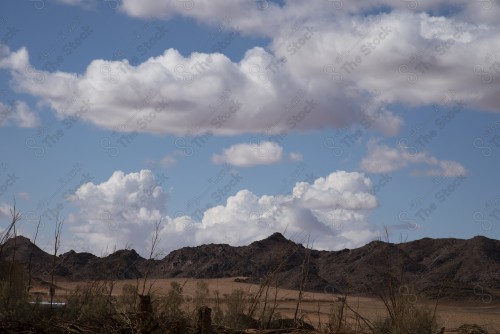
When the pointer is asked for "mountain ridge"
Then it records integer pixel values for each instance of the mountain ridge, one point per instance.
(449, 267)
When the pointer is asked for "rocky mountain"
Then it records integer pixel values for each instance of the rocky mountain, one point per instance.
(451, 268)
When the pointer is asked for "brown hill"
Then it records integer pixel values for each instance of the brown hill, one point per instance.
(454, 268)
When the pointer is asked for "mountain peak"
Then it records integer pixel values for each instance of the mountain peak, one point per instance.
(277, 237)
(19, 240)
(125, 253)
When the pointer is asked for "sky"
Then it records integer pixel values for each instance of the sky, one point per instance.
(226, 121)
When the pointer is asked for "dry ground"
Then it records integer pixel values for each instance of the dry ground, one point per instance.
(450, 314)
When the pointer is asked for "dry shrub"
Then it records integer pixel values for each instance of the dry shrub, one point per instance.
(128, 299)
(337, 317)
(416, 320)
(170, 314)
(16, 306)
(172, 303)
(201, 295)
(217, 314)
(90, 303)
(235, 310)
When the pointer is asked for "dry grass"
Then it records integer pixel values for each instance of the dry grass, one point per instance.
(449, 314)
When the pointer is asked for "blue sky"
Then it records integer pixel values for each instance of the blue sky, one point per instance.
(228, 122)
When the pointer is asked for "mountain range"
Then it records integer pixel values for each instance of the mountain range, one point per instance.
(445, 268)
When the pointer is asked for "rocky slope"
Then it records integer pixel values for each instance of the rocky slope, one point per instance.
(454, 268)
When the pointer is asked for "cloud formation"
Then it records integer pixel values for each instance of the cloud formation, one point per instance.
(123, 209)
(316, 72)
(118, 211)
(259, 17)
(5, 210)
(18, 114)
(87, 4)
(295, 157)
(168, 161)
(384, 159)
(247, 155)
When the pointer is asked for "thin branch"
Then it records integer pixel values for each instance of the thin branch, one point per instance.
(304, 275)
(365, 320)
(16, 216)
(33, 245)
(155, 239)
(57, 244)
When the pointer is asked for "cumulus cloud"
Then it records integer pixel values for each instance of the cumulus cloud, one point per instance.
(332, 209)
(17, 61)
(247, 155)
(384, 159)
(241, 13)
(316, 73)
(123, 209)
(18, 114)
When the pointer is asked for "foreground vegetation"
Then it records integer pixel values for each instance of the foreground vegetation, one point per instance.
(116, 307)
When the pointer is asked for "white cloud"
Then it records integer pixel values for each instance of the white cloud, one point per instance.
(447, 169)
(247, 155)
(384, 159)
(245, 14)
(6, 216)
(209, 93)
(87, 4)
(260, 17)
(332, 209)
(182, 105)
(168, 161)
(17, 61)
(5, 210)
(18, 114)
(295, 157)
(120, 210)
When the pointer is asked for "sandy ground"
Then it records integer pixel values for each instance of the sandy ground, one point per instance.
(316, 306)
